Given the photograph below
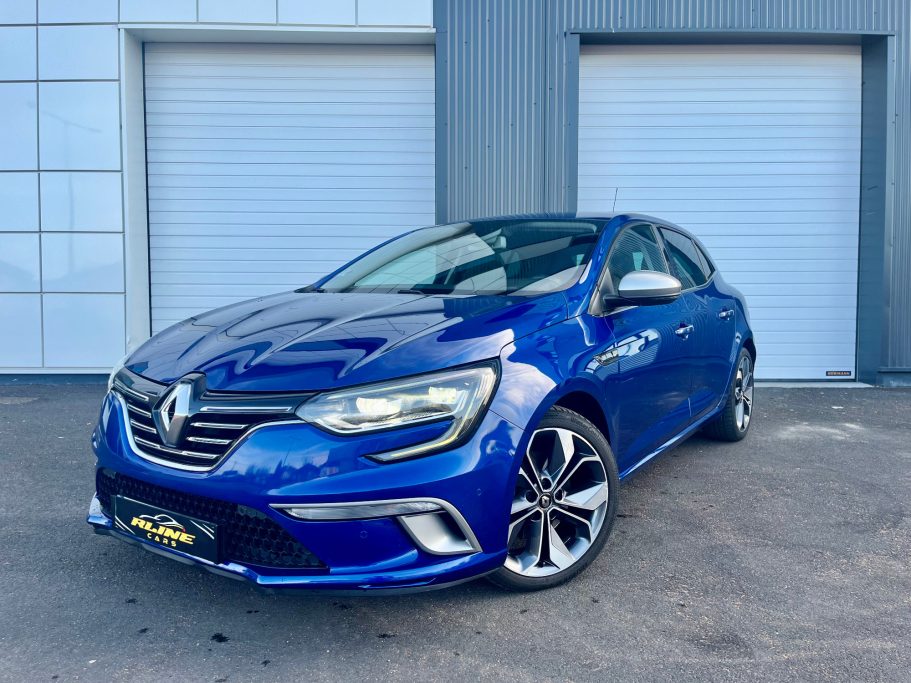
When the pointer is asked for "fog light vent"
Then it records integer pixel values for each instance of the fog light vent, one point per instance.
(434, 525)
(437, 533)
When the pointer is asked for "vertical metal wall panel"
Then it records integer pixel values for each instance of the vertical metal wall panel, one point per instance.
(823, 15)
(493, 106)
(510, 112)
(899, 348)
(871, 286)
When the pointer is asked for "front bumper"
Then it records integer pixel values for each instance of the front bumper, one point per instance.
(297, 464)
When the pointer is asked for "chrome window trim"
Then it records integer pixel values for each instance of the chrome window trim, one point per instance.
(448, 507)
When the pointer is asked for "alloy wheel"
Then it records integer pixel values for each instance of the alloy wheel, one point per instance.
(559, 506)
(743, 393)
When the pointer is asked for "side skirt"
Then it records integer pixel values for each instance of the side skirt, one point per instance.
(673, 441)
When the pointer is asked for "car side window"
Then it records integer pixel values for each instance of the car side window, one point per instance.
(636, 248)
(685, 259)
(707, 266)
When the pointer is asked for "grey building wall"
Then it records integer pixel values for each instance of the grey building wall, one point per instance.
(490, 75)
(506, 101)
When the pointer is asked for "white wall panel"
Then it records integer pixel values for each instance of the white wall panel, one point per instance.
(18, 12)
(81, 262)
(17, 53)
(76, 11)
(19, 266)
(395, 12)
(19, 129)
(81, 201)
(78, 52)
(339, 12)
(80, 126)
(238, 11)
(158, 11)
(756, 149)
(269, 166)
(19, 199)
(83, 330)
(20, 330)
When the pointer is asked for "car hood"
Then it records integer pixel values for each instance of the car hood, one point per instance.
(303, 341)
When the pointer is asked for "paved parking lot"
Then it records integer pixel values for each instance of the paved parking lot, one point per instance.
(786, 556)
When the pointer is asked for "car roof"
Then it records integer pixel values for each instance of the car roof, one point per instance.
(586, 215)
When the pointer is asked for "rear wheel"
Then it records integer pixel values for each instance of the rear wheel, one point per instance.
(564, 504)
(734, 421)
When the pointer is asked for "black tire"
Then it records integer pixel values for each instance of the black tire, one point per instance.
(734, 421)
(557, 515)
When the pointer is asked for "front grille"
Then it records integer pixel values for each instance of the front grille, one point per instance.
(217, 421)
(245, 535)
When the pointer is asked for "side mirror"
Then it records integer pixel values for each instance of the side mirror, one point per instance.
(649, 288)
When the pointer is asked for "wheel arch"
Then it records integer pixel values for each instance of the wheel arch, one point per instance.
(750, 346)
(588, 406)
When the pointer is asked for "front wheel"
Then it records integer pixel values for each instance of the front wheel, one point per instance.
(734, 420)
(564, 504)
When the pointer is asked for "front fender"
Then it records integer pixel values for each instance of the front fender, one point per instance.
(541, 369)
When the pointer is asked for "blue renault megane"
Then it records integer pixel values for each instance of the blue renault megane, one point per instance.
(460, 401)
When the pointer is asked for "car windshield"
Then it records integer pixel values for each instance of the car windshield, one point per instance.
(484, 257)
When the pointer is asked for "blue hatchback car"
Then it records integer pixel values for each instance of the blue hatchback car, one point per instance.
(460, 401)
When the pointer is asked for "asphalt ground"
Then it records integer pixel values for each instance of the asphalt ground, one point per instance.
(786, 556)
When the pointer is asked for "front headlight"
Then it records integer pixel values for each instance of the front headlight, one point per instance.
(455, 395)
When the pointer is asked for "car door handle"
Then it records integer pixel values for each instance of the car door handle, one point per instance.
(726, 314)
(684, 330)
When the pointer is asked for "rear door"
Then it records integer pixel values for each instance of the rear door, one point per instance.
(712, 315)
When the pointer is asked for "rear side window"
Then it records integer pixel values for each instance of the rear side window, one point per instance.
(685, 259)
(707, 266)
(635, 249)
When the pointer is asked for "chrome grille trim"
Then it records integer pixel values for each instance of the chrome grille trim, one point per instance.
(229, 409)
(142, 427)
(138, 395)
(216, 425)
(140, 411)
(209, 440)
(205, 442)
(176, 451)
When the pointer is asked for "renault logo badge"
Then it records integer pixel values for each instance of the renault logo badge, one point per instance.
(173, 412)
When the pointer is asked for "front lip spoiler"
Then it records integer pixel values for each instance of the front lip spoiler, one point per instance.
(102, 525)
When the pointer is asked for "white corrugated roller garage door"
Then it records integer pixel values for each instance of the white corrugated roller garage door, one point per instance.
(270, 165)
(756, 149)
